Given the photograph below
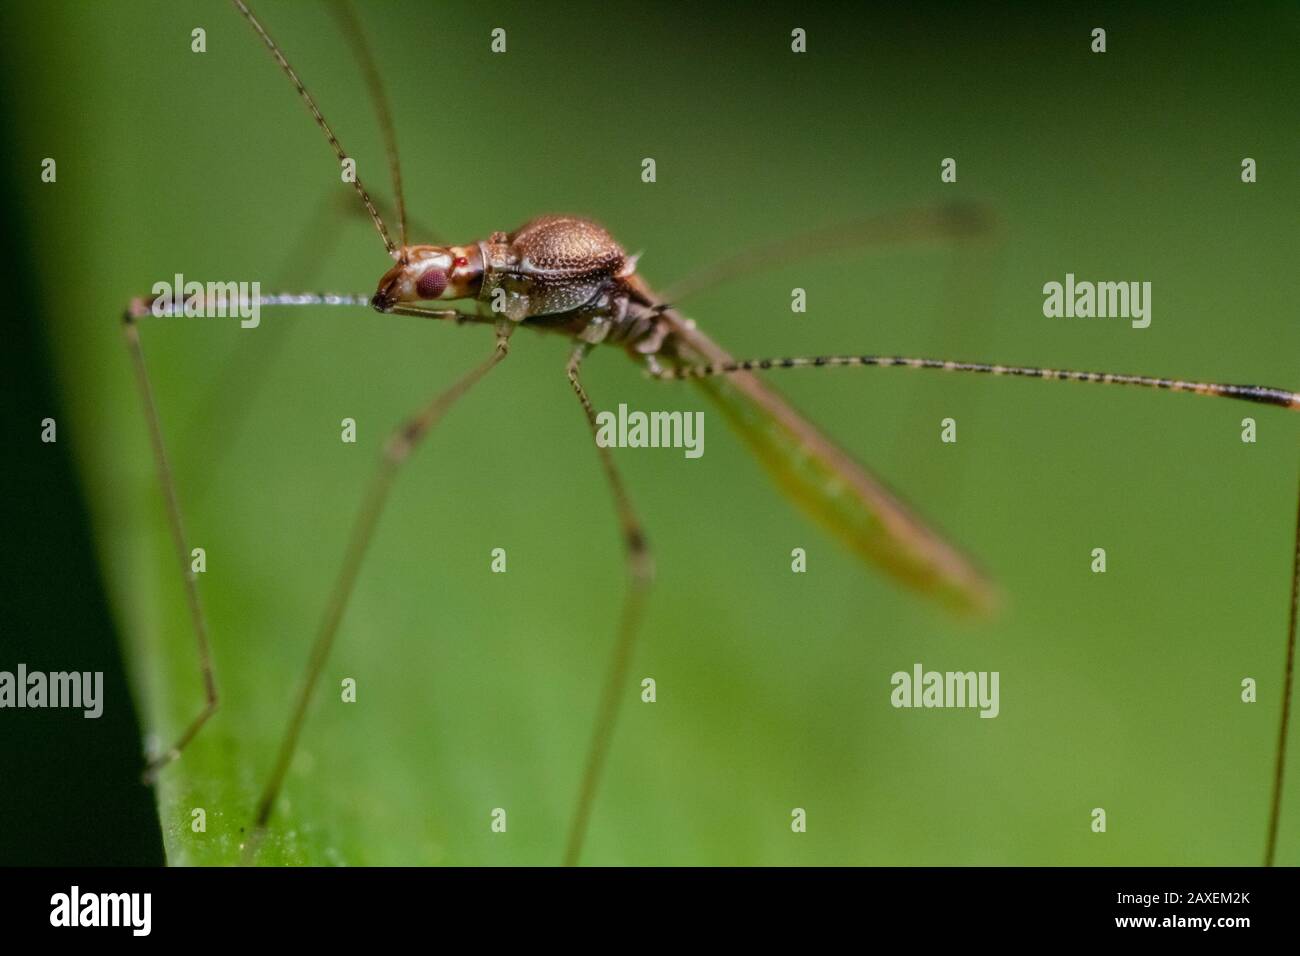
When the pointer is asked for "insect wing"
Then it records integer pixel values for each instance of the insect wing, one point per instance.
(835, 490)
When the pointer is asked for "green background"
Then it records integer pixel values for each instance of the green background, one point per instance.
(478, 690)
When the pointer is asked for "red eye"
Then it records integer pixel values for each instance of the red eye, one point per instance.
(431, 284)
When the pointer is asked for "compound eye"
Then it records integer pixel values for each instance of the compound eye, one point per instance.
(431, 284)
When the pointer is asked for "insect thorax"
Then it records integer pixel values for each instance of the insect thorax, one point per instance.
(568, 275)
(550, 265)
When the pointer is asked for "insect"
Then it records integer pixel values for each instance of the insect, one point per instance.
(567, 276)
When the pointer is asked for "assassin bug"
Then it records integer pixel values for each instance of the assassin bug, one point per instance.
(567, 276)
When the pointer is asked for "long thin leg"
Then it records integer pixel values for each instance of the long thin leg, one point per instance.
(1288, 681)
(177, 525)
(308, 101)
(640, 573)
(396, 451)
(232, 394)
(952, 221)
(1263, 394)
(140, 308)
(356, 38)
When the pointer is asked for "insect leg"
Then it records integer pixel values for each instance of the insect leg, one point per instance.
(396, 451)
(175, 522)
(227, 401)
(232, 394)
(356, 37)
(1288, 681)
(309, 101)
(958, 222)
(1262, 394)
(640, 573)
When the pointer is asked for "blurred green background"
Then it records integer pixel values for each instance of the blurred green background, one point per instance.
(477, 690)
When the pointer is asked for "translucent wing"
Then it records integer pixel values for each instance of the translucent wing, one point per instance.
(833, 489)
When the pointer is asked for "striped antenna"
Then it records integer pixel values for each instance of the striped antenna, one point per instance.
(333, 140)
(356, 38)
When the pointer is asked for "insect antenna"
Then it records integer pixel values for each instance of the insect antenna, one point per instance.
(356, 38)
(289, 71)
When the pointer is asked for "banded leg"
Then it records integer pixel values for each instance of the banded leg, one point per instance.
(640, 573)
(1263, 394)
(310, 102)
(1284, 723)
(176, 524)
(396, 451)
